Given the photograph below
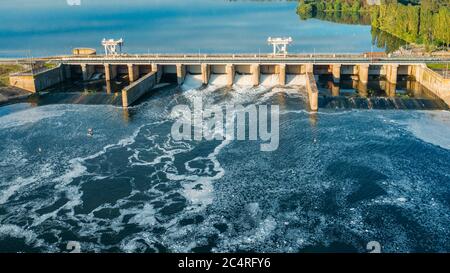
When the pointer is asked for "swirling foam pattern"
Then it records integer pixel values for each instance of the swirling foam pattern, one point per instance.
(338, 180)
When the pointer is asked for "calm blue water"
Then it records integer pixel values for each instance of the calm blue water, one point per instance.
(48, 27)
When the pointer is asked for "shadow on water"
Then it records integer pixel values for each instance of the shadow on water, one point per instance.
(377, 93)
(96, 92)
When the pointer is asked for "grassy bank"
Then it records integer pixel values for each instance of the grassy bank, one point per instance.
(438, 66)
(5, 70)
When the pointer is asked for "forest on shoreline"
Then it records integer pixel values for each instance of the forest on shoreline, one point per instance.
(424, 22)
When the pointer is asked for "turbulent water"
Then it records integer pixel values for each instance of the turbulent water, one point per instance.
(339, 179)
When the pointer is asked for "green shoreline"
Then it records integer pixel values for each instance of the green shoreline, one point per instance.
(424, 24)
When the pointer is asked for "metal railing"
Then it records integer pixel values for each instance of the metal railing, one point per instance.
(318, 56)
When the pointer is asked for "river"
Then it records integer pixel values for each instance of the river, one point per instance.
(339, 179)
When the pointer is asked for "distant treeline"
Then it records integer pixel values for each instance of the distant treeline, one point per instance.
(422, 22)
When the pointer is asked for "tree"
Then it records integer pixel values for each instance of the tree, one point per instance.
(305, 11)
(337, 5)
(356, 6)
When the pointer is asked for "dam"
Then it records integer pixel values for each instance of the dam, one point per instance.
(144, 72)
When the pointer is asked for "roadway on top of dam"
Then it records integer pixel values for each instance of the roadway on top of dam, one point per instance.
(248, 59)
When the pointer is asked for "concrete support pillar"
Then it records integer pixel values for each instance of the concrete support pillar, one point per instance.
(362, 89)
(363, 73)
(391, 74)
(282, 74)
(158, 70)
(108, 87)
(313, 92)
(255, 74)
(133, 72)
(411, 70)
(181, 73)
(110, 72)
(336, 71)
(84, 72)
(335, 90)
(355, 82)
(390, 89)
(87, 71)
(309, 68)
(415, 87)
(230, 74)
(205, 73)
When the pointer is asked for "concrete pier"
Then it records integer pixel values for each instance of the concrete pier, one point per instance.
(389, 89)
(137, 89)
(39, 80)
(362, 89)
(313, 92)
(230, 74)
(336, 72)
(434, 82)
(206, 72)
(110, 72)
(282, 74)
(181, 73)
(335, 90)
(363, 73)
(391, 73)
(156, 68)
(133, 72)
(256, 71)
(87, 71)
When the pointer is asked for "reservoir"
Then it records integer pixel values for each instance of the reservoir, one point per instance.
(171, 26)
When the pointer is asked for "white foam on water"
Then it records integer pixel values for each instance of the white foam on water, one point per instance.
(261, 236)
(73, 192)
(279, 90)
(144, 216)
(432, 127)
(243, 80)
(192, 82)
(218, 80)
(269, 80)
(15, 231)
(96, 76)
(77, 168)
(168, 150)
(30, 116)
(15, 186)
(252, 238)
(204, 196)
(242, 93)
(21, 183)
(296, 79)
(138, 242)
(199, 198)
